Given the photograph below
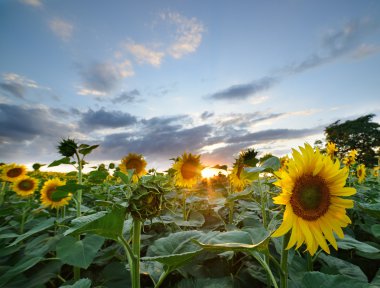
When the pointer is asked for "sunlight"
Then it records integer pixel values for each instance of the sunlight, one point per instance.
(210, 172)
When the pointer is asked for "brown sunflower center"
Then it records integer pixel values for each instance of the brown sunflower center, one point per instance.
(14, 172)
(134, 164)
(50, 192)
(311, 197)
(189, 169)
(360, 172)
(26, 185)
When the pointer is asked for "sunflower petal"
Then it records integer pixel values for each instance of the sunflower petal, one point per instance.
(286, 224)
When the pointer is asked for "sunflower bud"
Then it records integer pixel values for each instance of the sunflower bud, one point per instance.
(111, 166)
(67, 147)
(146, 201)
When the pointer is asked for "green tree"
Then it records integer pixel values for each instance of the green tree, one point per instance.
(361, 134)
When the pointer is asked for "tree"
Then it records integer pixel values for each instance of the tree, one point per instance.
(360, 134)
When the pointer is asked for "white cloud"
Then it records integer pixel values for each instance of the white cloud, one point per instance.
(34, 3)
(85, 91)
(20, 80)
(365, 50)
(61, 28)
(144, 54)
(188, 34)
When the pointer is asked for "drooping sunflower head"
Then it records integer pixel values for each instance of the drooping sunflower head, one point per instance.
(12, 172)
(238, 178)
(312, 188)
(25, 186)
(331, 149)
(361, 172)
(47, 191)
(67, 147)
(133, 162)
(187, 170)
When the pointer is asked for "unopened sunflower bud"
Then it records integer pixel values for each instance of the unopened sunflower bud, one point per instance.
(111, 166)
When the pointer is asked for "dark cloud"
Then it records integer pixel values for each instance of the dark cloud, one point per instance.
(246, 119)
(14, 89)
(128, 97)
(205, 115)
(243, 91)
(106, 119)
(102, 77)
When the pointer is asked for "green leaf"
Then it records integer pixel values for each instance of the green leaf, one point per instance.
(64, 160)
(271, 164)
(348, 243)
(238, 241)
(97, 176)
(376, 279)
(62, 191)
(375, 229)
(81, 283)
(318, 279)
(115, 275)
(196, 219)
(107, 224)
(21, 266)
(40, 227)
(371, 209)
(87, 150)
(79, 253)
(40, 245)
(336, 266)
(124, 177)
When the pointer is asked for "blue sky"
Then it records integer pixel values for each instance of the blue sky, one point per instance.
(164, 77)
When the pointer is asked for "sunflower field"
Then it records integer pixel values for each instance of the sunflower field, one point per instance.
(308, 220)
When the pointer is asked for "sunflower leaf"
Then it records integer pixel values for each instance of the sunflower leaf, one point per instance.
(271, 164)
(87, 150)
(81, 283)
(64, 160)
(126, 178)
(62, 191)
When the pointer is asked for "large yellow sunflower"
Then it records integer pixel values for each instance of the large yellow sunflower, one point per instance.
(134, 162)
(311, 192)
(47, 191)
(25, 186)
(187, 170)
(13, 172)
(361, 173)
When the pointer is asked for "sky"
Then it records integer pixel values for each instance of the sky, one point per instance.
(165, 77)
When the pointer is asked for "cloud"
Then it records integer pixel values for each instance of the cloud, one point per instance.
(144, 54)
(34, 3)
(14, 89)
(62, 28)
(366, 50)
(106, 119)
(100, 78)
(127, 96)
(243, 91)
(16, 85)
(205, 115)
(188, 37)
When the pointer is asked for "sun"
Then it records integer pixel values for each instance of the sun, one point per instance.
(312, 191)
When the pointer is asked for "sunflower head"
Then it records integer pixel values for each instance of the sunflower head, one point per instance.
(361, 173)
(47, 191)
(375, 171)
(13, 172)
(67, 147)
(331, 149)
(111, 166)
(25, 186)
(146, 201)
(238, 178)
(187, 170)
(133, 162)
(312, 188)
(37, 166)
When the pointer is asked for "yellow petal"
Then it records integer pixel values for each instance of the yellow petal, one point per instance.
(315, 229)
(327, 231)
(286, 224)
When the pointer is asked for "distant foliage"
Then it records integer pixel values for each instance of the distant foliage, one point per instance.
(361, 134)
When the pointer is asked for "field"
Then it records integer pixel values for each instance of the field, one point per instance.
(311, 220)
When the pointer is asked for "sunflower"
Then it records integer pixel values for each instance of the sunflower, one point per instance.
(46, 194)
(238, 178)
(361, 173)
(284, 161)
(331, 149)
(375, 171)
(311, 192)
(187, 170)
(13, 172)
(134, 162)
(25, 186)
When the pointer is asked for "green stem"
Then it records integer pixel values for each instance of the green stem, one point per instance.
(135, 268)
(266, 267)
(79, 213)
(162, 278)
(2, 193)
(284, 261)
(231, 213)
(263, 204)
(184, 205)
(22, 224)
(128, 250)
(309, 262)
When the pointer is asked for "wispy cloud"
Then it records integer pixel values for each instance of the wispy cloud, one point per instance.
(127, 97)
(62, 28)
(100, 78)
(145, 55)
(17, 85)
(188, 36)
(245, 90)
(34, 3)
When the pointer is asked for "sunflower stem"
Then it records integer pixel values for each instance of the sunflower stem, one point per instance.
(162, 278)
(284, 261)
(267, 269)
(309, 262)
(184, 205)
(2, 193)
(135, 267)
(263, 204)
(231, 213)
(78, 203)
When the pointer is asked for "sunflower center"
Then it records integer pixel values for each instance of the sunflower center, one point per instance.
(311, 197)
(14, 172)
(135, 164)
(360, 173)
(26, 185)
(50, 192)
(188, 170)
